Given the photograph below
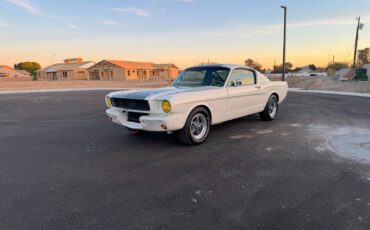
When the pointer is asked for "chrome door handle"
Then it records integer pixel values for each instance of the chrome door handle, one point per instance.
(258, 87)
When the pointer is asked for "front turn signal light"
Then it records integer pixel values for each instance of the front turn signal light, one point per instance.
(166, 106)
(108, 102)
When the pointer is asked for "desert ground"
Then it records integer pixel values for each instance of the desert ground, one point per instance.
(326, 83)
(41, 85)
(309, 83)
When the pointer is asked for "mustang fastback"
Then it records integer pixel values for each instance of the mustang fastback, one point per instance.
(199, 97)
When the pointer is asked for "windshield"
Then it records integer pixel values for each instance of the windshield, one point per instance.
(202, 76)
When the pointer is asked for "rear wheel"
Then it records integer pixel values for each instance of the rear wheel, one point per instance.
(196, 128)
(271, 109)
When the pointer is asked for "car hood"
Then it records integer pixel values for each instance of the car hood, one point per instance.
(157, 94)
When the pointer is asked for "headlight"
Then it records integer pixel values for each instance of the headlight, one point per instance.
(166, 106)
(108, 102)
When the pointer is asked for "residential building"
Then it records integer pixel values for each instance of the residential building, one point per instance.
(306, 71)
(129, 70)
(71, 69)
(367, 67)
(8, 73)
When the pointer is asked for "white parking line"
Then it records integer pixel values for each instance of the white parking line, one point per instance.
(59, 90)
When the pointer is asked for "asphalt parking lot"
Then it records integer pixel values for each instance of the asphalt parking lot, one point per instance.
(63, 165)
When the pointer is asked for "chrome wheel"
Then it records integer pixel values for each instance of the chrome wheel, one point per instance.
(272, 108)
(198, 126)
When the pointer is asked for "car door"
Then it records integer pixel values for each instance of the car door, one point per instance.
(243, 93)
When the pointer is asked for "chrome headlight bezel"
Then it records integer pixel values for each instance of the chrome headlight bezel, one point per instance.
(166, 106)
(108, 101)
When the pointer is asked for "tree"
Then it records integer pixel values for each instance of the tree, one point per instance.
(363, 56)
(312, 67)
(253, 64)
(320, 69)
(337, 66)
(279, 68)
(30, 67)
(288, 66)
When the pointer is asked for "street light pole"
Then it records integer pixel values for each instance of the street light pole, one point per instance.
(284, 44)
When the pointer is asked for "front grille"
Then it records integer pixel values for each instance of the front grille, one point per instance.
(135, 117)
(130, 104)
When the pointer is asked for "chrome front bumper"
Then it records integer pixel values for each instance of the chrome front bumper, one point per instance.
(155, 123)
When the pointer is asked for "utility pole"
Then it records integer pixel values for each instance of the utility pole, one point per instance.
(356, 43)
(284, 43)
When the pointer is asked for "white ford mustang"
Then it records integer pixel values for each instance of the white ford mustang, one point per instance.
(200, 96)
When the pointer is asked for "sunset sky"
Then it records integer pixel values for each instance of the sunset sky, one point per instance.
(184, 32)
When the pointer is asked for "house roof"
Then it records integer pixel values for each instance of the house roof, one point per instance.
(6, 67)
(66, 66)
(132, 64)
(164, 66)
(140, 65)
(25, 72)
(14, 72)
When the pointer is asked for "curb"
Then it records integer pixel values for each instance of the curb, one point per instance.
(298, 90)
(59, 90)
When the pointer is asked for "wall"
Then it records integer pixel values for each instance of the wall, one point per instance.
(367, 67)
(13, 75)
(106, 71)
(76, 74)
(41, 76)
(173, 73)
(16, 78)
(80, 74)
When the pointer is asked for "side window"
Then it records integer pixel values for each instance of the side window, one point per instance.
(242, 77)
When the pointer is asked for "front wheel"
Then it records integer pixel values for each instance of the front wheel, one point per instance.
(196, 128)
(271, 109)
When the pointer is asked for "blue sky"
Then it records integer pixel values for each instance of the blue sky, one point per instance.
(185, 32)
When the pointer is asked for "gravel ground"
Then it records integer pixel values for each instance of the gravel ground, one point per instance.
(40, 85)
(327, 83)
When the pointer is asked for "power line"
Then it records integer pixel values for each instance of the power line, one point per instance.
(346, 56)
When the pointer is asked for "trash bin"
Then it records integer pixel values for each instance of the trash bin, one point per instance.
(361, 75)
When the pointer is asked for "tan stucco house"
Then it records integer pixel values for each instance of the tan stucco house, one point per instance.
(71, 69)
(8, 73)
(129, 70)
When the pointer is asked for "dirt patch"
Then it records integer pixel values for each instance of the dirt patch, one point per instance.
(39, 85)
(314, 83)
(326, 83)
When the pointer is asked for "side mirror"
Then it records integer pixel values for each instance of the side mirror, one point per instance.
(238, 83)
(232, 83)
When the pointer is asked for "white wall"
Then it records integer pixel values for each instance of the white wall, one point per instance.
(367, 67)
